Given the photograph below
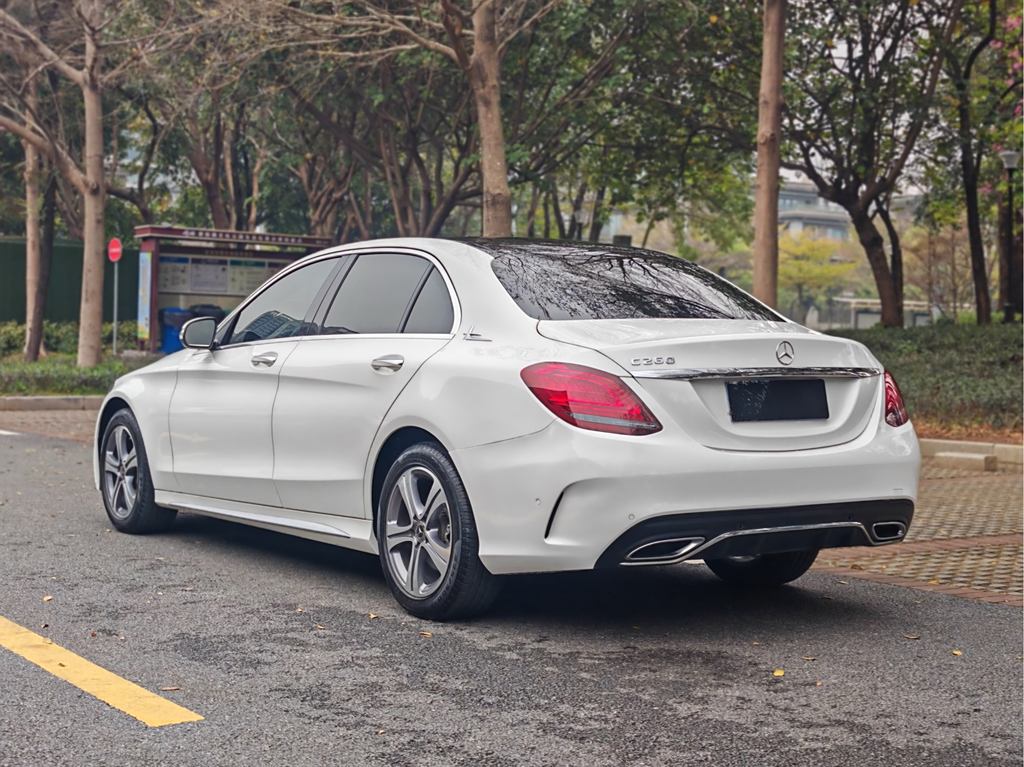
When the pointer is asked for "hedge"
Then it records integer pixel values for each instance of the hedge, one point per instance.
(58, 374)
(62, 337)
(966, 374)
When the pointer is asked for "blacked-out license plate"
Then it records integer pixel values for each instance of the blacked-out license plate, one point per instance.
(777, 400)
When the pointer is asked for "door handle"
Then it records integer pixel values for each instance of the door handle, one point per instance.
(266, 359)
(390, 363)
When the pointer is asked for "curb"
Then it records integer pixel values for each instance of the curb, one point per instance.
(1003, 453)
(50, 403)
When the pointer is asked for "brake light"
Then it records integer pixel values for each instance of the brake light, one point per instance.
(895, 410)
(589, 398)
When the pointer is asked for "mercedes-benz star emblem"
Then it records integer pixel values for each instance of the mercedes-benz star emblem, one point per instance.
(784, 352)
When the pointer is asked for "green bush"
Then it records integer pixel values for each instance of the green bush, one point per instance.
(58, 374)
(62, 337)
(965, 374)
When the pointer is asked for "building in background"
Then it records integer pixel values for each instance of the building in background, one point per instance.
(801, 210)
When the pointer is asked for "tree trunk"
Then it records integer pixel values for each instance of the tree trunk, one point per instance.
(596, 224)
(208, 171)
(90, 327)
(874, 247)
(34, 298)
(485, 81)
(895, 259)
(531, 215)
(766, 202)
(982, 297)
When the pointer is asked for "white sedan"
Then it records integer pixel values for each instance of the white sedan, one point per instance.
(470, 409)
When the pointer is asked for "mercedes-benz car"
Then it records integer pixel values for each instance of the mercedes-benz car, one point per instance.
(471, 409)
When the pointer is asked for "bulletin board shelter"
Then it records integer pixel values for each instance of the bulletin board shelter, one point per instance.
(186, 266)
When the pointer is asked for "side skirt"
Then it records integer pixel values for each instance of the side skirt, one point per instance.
(347, 532)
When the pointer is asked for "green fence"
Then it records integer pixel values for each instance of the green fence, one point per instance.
(65, 291)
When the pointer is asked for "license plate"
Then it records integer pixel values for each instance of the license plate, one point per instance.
(777, 400)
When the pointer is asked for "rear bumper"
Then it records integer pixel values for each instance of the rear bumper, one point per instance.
(560, 498)
(716, 534)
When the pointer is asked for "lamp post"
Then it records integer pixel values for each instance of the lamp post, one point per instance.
(1010, 160)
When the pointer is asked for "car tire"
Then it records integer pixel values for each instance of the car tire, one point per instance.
(125, 482)
(764, 570)
(438, 535)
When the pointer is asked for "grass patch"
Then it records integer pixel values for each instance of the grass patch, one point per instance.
(58, 374)
(961, 376)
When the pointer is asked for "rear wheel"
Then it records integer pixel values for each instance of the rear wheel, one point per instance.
(763, 570)
(427, 538)
(124, 478)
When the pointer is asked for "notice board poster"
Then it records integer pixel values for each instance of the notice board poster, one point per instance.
(174, 274)
(145, 277)
(245, 276)
(209, 276)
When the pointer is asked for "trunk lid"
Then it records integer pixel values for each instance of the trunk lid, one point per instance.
(686, 366)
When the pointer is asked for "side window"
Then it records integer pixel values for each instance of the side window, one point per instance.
(432, 312)
(280, 310)
(375, 294)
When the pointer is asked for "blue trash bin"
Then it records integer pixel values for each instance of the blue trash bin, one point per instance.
(171, 320)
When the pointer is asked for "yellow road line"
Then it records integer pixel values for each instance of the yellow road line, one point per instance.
(147, 707)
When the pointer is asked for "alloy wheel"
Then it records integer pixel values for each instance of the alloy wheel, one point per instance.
(120, 472)
(418, 532)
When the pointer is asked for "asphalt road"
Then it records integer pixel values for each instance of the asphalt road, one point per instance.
(271, 640)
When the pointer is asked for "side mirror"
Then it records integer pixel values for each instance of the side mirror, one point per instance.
(198, 333)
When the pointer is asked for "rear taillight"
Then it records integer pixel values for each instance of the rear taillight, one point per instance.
(895, 410)
(589, 398)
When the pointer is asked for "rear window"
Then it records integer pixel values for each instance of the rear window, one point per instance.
(553, 281)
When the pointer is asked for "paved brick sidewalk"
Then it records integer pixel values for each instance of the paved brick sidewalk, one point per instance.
(965, 540)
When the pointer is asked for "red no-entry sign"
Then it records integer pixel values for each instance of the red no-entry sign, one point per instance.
(114, 250)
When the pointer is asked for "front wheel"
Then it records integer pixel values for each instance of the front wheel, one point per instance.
(124, 478)
(763, 570)
(428, 540)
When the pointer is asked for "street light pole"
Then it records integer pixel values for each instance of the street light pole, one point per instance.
(1010, 160)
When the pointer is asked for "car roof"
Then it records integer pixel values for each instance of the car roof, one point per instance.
(558, 249)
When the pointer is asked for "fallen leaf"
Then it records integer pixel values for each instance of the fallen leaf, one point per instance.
(845, 583)
(169, 689)
(808, 657)
(373, 616)
(778, 672)
(911, 636)
(380, 732)
(933, 582)
(855, 566)
(44, 625)
(426, 634)
(48, 598)
(92, 634)
(319, 626)
(958, 653)
(756, 644)
(818, 683)
(299, 610)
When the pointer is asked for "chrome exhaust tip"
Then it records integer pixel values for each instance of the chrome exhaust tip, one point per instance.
(663, 552)
(885, 532)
